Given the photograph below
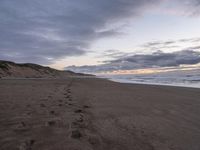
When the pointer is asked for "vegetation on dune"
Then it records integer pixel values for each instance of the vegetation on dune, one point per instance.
(3, 66)
(10, 68)
(32, 66)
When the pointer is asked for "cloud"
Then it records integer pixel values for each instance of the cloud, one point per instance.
(188, 8)
(170, 45)
(157, 59)
(43, 31)
(192, 7)
(170, 42)
(158, 44)
(113, 54)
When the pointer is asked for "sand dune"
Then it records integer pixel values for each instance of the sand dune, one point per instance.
(27, 70)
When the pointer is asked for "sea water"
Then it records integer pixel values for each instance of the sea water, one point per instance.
(176, 78)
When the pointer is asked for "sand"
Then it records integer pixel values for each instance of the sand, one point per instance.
(87, 114)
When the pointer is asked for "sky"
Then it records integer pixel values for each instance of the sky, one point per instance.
(96, 36)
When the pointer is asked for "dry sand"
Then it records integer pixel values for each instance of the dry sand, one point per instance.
(86, 114)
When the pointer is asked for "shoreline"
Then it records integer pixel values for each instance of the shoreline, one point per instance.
(152, 83)
(157, 84)
(108, 79)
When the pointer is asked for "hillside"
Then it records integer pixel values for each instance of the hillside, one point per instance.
(28, 70)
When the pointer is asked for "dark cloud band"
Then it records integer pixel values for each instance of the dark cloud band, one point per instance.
(158, 59)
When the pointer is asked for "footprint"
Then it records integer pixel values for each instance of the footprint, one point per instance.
(86, 106)
(51, 123)
(68, 96)
(23, 124)
(93, 140)
(79, 123)
(27, 145)
(59, 105)
(67, 103)
(80, 119)
(21, 127)
(78, 111)
(76, 134)
(42, 105)
(52, 112)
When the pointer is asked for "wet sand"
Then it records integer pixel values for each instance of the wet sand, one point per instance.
(87, 114)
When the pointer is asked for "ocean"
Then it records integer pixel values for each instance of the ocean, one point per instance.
(187, 78)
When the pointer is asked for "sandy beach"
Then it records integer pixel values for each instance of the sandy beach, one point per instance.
(97, 114)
